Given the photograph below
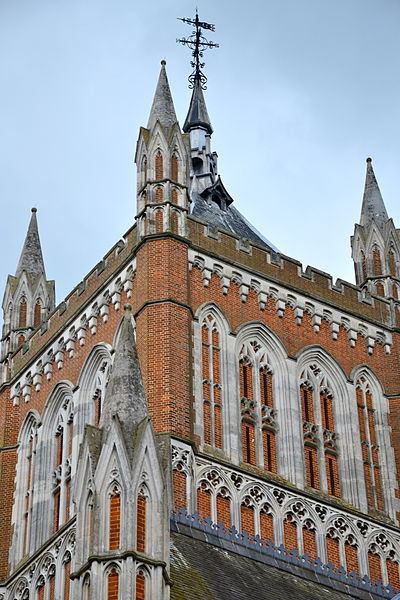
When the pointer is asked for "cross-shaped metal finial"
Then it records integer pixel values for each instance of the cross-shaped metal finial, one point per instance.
(197, 43)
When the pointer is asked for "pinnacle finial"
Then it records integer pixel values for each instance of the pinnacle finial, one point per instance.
(162, 109)
(373, 207)
(31, 259)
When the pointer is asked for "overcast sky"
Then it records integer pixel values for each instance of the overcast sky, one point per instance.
(299, 93)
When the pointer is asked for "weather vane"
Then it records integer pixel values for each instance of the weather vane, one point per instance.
(197, 43)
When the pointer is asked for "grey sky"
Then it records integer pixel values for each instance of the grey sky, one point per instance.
(299, 94)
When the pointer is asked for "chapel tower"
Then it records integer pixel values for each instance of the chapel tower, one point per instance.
(376, 243)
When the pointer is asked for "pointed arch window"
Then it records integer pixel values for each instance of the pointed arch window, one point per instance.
(174, 167)
(22, 313)
(363, 265)
(159, 194)
(376, 260)
(63, 438)
(144, 170)
(319, 435)
(141, 521)
(392, 263)
(113, 584)
(140, 586)
(114, 519)
(257, 406)
(211, 380)
(369, 445)
(37, 314)
(159, 165)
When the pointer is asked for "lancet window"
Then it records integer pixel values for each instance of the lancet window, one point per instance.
(211, 381)
(37, 314)
(22, 313)
(392, 263)
(320, 438)
(114, 518)
(63, 437)
(159, 165)
(377, 262)
(174, 167)
(258, 415)
(369, 445)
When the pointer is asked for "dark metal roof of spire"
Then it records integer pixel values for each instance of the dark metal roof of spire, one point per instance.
(197, 114)
(31, 259)
(162, 109)
(373, 207)
(125, 396)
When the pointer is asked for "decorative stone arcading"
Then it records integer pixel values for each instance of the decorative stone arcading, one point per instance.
(281, 502)
(41, 567)
(283, 297)
(85, 323)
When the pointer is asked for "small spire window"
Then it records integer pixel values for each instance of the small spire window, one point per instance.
(22, 313)
(159, 165)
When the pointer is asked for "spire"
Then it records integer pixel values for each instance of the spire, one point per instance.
(125, 394)
(163, 106)
(197, 115)
(373, 208)
(31, 259)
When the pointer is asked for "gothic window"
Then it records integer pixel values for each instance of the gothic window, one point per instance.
(22, 313)
(113, 584)
(98, 391)
(37, 314)
(86, 588)
(392, 263)
(88, 524)
(63, 437)
(363, 265)
(174, 222)
(114, 518)
(211, 379)
(258, 415)
(159, 196)
(369, 445)
(140, 586)
(24, 496)
(144, 170)
(174, 196)
(159, 220)
(21, 340)
(159, 165)
(376, 260)
(319, 436)
(174, 167)
(67, 573)
(141, 518)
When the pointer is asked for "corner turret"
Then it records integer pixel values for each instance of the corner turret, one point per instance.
(162, 167)
(376, 243)
(29, 297)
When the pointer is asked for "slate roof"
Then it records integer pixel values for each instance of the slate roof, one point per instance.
(229, 218)
(203, 571)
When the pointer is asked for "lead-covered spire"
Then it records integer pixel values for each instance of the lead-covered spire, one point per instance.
(125, 396)
(373, 207)
(197, 115)
(162, 109)
(31, 259)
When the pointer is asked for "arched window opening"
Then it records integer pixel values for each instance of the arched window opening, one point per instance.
(144, 170)
(159, 220)
(247, 516)
(40, 590)
(266, 523)
(310, 539)
(21, 340)
(369, 446)
(290, 533)
(332, 548)
(204, 500)
(257, 407)
(114, 528)
(159, 194)
(395, 292)
(22, 313)
(351, 554)
(197, 165)
(67, 574)
(89, 523)
(29, 467)
(212, 386)
(392, 570)
(224, 507)
(374, 564)
(380, 290)
(179, 484)
(376, 260)
(37, 314)
(159, 164)
(141, 517)
(98, 390)
(174, 222)
(392, 263)
(62, 466)
(52, 585)
(140, 586)
(363, 265)
(174, 196)
(86, 588)
(113, 585)
(174, 167)
(320, 437)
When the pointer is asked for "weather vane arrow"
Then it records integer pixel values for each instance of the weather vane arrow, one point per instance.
(197, 43)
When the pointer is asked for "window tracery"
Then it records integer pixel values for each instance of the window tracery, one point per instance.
(63, 437)
(258, 415)
(211, 381)
(319, 435)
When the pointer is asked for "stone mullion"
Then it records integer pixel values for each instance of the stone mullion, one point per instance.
(257, 413)
(316, 399)
(211, 384)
